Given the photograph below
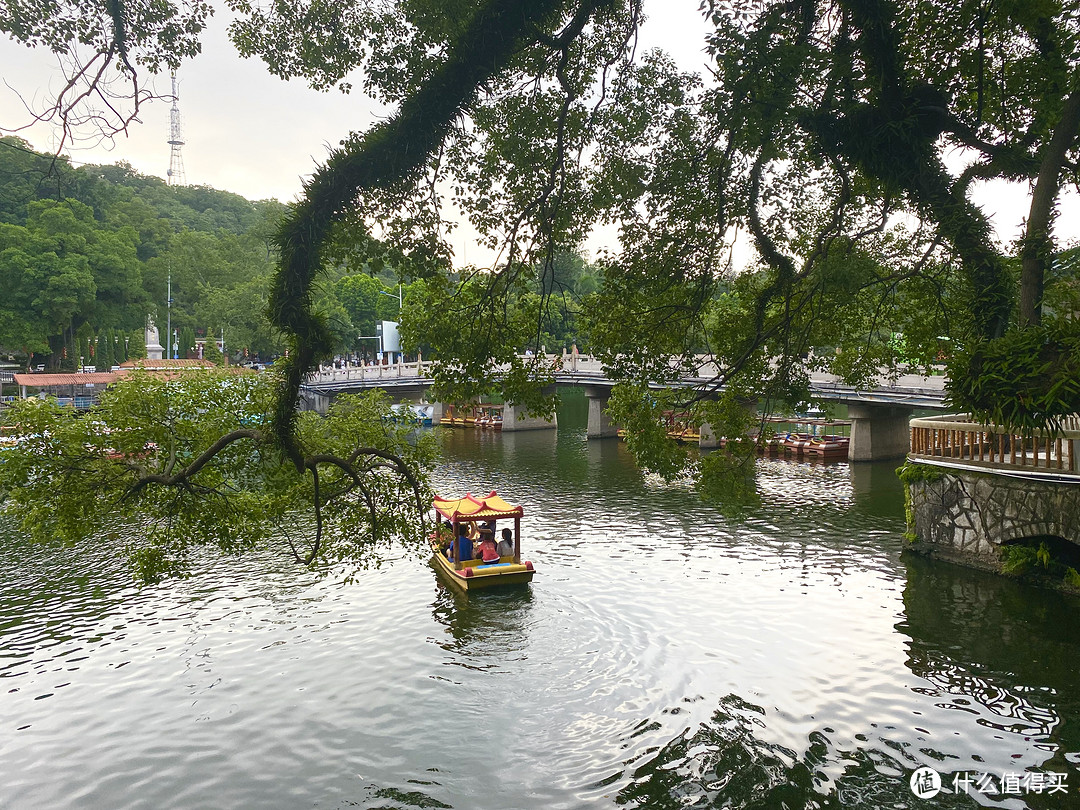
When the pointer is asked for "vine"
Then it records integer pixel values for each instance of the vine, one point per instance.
(394, 152)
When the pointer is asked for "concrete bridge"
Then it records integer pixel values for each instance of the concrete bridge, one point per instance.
(879, 415)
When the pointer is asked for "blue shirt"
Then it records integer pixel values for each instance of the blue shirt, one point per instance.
(464, 548)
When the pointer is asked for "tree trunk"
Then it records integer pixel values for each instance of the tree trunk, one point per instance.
(1036, 246)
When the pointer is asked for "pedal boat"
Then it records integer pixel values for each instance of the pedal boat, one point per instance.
(475, 574)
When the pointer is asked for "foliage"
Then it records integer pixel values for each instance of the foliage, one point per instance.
(185, 339)
(136, 346)
(1043, 560)
(1017, 559)
(478, 341)
(1072, 578)
(96, 244)
(1026, 380)
(211, 350)
(103, 352)
(164, 467)
(822, 134)
(912, 473)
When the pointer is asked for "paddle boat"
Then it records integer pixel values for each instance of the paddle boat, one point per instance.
(474, 573)
(407, 414)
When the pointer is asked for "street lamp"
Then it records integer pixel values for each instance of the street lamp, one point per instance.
(391, 295)
(168, 306)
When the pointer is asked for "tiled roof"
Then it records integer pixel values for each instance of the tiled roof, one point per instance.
(54, 380)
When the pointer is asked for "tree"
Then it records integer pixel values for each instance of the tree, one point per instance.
(821, 134)
(136, 347)
(103, 352)
(211, 350)
(186, 463)
(186, 341)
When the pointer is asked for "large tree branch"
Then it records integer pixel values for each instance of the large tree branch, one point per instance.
(168, 478)
(388, 154)
(1036, 248)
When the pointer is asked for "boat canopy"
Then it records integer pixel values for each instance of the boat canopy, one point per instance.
(471, 509)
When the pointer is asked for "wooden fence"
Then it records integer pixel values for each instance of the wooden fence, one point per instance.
(957, 438)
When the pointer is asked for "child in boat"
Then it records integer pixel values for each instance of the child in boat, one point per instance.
(464, 544)
(506, 545)
(488, 552)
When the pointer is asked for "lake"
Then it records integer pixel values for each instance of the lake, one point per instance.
(666, 655)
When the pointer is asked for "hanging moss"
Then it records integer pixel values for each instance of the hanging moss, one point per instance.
(911, 474)
(388, 154)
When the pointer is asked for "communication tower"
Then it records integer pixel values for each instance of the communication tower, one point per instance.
(176, 140)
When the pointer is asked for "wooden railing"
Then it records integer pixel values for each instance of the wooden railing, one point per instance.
(955, 437)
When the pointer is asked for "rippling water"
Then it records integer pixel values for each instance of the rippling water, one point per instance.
(664, 657)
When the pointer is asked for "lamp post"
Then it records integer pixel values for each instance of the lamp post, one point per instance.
(168, 307)
(391, 295)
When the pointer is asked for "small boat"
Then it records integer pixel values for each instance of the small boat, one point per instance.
(475, 574)
(406, 414)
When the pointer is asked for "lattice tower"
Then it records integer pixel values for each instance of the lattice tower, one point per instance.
(176, 140)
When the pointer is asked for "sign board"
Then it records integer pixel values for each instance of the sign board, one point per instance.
(390, 340)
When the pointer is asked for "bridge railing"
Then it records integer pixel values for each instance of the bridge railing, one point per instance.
(375, 372)
(578, 363)
(955, 438)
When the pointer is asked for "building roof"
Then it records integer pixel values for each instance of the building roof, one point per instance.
(56, 380)
(168, 369)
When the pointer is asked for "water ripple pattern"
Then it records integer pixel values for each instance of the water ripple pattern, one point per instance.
(664, 657)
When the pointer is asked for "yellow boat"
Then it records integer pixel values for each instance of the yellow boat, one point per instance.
(474, 574)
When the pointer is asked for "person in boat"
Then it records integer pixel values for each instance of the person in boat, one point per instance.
(446, 539)
(487, 551)
(464, 544)
(506, 545)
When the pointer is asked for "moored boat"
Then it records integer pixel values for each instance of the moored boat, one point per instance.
(474, 573)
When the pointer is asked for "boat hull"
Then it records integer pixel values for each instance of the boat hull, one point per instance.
(474, 575)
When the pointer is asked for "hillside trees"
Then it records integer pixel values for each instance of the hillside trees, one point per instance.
(215, 244)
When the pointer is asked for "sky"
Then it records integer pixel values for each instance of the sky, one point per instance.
(250, 133)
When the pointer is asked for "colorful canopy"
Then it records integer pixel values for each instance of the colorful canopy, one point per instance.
(472, 509)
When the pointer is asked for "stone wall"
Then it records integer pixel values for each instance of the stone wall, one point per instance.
(965, 516)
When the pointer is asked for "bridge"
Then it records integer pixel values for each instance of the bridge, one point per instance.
(879, 415)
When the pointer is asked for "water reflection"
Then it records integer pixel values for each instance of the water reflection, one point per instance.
(1001, 656)
(728, 762)
(493, 619)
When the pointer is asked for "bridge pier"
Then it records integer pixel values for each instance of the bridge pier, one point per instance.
(600, 424)
(707, 438)
(878, 432)
(514, 418)
(313, 401)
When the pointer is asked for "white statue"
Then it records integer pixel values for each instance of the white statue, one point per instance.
(154, 349)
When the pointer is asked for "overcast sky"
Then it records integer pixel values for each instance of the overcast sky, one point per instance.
(255, 135)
